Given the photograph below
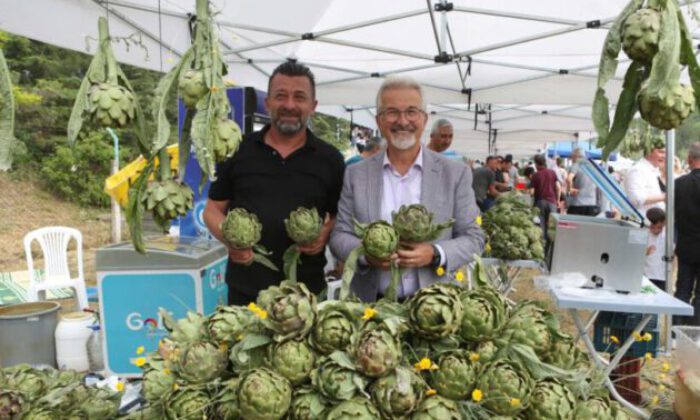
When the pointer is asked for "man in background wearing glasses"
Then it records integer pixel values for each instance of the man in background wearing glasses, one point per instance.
(407, 173)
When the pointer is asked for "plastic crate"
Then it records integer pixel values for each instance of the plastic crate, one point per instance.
(627, 380)
(621, 325)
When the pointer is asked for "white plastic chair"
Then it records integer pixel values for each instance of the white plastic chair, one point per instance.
(54, 241)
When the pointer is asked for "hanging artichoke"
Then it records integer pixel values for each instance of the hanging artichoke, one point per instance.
(435, 311)
(377, 350)
(227, 401)
(640, 35)
(157, 381)
(414, 223)
(307, 404)
(228, 323)
(303, 227)
(335, 378)
(187, 404)
(111, 105)
(398, 394)
(167, 200)
(292, 359)
(243, 230)
(191, 87)
(188, 330)
(249, 353)
(227, 138)
(551, 400)
(484, 314)
(10, 405)
(291, 310)
(264, 395)
(357, 408)
(666, 109)
(501, 382)
(201, 362)
(455, 376)
(436, 407)
(334, 327)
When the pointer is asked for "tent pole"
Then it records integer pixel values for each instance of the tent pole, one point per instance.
(668, 255)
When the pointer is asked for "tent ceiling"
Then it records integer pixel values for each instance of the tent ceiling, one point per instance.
(534, 62)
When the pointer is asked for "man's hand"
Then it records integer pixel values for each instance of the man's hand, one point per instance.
(319, 244)
(415, 254)
(241, 256)
(651, 249)
(381, 264)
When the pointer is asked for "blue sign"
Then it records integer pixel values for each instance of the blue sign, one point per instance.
(214, 287)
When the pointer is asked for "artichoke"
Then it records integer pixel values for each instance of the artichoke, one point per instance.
(40, 413)
(398, 394)
(186, 404)
(640, 35)
(241, 229)
(188, 330)
(334, 327)
(335, 378)
(100, 404)
(502, 381)
(228, 323)
(157, 381)
(377, 350)
(10, 405)
(192, 87)
(551, 400)
(414, 223)
(249, 353)
(31, 383)
(533, 326)
(292, 359)
(666, 109)
(307, 404)
(167, 200)
(227, 138)
(111, 105)
(436, 407)
(423, 348)
(201, 362)
(510, 230)
(227, 401)
(565, 354)
(263, 395)
(435, 311)
(487, 351)
(291, 310)
(484, 314)
(455, 376)
(303, 225)
(358, 408)
(380, 240)
(593, 408)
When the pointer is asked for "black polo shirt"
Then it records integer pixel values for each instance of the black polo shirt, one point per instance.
(257, 179)
(687, 210)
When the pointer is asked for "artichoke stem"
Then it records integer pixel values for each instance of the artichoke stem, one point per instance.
(104, 44)
(163, 164)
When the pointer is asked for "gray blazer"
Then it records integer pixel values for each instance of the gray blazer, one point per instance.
(446, 190)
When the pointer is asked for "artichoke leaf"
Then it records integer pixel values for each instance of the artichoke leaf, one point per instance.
(290, 259)
(349, 271)
(626, 107)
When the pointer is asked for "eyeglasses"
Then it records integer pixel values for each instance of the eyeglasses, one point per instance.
(393, 114)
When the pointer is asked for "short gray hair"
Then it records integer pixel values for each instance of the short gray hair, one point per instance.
(694, 151)
(440, 122)
(399, 82)
(578, 152)
(372, 144)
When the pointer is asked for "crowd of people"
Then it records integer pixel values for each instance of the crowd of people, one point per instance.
(285, 166)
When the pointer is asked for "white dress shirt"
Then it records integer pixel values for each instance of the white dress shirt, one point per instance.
(641, 182)
(654, 265)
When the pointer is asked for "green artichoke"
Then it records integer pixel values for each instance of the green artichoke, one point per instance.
(291, 310)
(420, 348)
(227, 139)
(192, 87)
(565, 354)
(487, 351)
(668, 111)
(435, 311)
(241, 229)
(307, 404)
(510, 230)
(593, 408)
(398, 394)
(414, 223)
(111, 105)
(64, 378)
(264, 395)
(167, 200)
(201, 362)
(100, 404)
(501, 382)
(40, 413)
(484, 314)
(640, 35)
(335, 378)
(377, 351)
(228, 323)
(227, 401)
(334, 327)
(11, 404)
(186, 404)
(380, 240)
(157, 381)
(533, 326)
(249, 353)
(455, 376)
(357, 408)
(551, 400)
(31, 383)
(188, 330)
(292, 359)
(303, 225)
(436, 407)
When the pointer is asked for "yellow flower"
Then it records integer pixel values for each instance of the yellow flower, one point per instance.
(666, 367)
(430, 392)
(262, 314)
(223, 347)
(140, 350)
(477, 395)
(258, 311)
(655, 400)
(515, 402)
(662, 387)
(239, 337)
(647, 337)
(474, 357)
(478, 220)
(637, 336)
(425, 364)
(440, 271)
(214, 89)
(166, 371)
(662, 376)
(140, 361)
(614, 339)
(648, 356)
(369, 314)
(120, 386)
(459, 276)
(176, 387)
(487, 248)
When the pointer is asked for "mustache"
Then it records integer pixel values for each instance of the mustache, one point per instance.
(282, 112)
(402, 127)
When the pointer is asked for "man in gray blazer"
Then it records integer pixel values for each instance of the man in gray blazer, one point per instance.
(407, 173)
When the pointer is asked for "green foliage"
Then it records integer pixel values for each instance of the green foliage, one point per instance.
(335, 131)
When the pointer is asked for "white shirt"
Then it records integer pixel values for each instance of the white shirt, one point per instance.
(641, 182)
(654, 266)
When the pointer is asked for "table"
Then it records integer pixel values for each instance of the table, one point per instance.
(514, 269)
(651, 301)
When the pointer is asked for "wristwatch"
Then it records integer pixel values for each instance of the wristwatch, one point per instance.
(435, 263)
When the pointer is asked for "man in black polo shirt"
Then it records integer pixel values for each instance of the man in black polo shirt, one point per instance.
(276, 170)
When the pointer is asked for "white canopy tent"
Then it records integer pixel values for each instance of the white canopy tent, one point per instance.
(528, 67)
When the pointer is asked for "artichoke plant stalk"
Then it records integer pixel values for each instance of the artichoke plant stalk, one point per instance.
(303, 226)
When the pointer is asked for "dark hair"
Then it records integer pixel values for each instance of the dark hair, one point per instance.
(529, 171)
(293, 68)
(509, 158)
(540, 160)
(372, 144)
(656, 215)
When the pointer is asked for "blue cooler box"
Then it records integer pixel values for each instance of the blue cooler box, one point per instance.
(179, 274)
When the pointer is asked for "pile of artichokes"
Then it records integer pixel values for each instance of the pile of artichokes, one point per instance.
(510, 230)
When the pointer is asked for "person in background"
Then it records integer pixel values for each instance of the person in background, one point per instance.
(641, 182)
(372, 147)
(512, 170)
(484, 184)
(687, 217)
(654, 267)
(502, 177)
(441, 135)
(547, 191)
(582, 190)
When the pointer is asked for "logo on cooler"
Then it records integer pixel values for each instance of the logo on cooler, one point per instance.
(153, 326)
